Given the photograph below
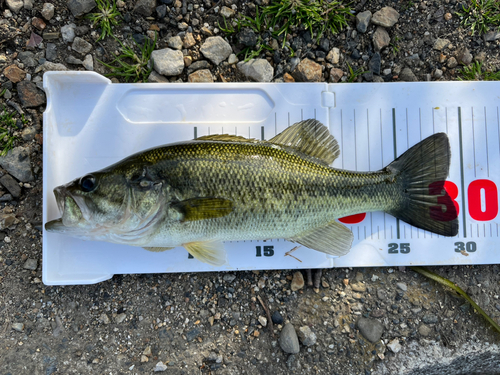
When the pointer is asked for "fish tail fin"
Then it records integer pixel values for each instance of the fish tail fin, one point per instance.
(422, 200)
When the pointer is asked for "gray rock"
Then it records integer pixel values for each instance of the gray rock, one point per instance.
(30, 95)
(194, 333)
(233, 59)
(386, 17)
(68, 33)
(6, 198)
(289, 342)
(15, 5)
(381, 38)
(88, 62)
(160, 367)
(19, 327)
(28, 4)
(371, 329)
(161, 11)
(81, 46)
(438, 73)
(216, 49)
(375, 63)
(120, 317)
(257, 69)
(464, 56)
(402, 286)
(157, 78)
(104, 318)
(47, 11)
(394, 346)
(175, 42)
(247, 37)
(440, 44)
(336, 75)
(73, 60)
(18, 164)
(430, 319)
(145, 7)
(407, 75)
(227, 12)
(80, 7)
(51, 51)
(30, 264)
(307, 336)
(424, 330)
(200, 64)
(168, 62)
(182, 26)
(491, 36)
(452, 63)
(293, 363)
(27, 58)
(11, 185)
(229, 277)
(363, 20)
(59, 328)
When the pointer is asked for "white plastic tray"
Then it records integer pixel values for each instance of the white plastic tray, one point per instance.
(90, 123)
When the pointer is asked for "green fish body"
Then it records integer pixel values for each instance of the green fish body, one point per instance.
(218, 188)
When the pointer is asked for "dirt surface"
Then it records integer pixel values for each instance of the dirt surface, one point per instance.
(214, 323)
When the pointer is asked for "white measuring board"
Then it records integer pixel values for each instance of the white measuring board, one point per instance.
(90, 123)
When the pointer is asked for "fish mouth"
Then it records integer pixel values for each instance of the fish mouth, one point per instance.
(71, 212)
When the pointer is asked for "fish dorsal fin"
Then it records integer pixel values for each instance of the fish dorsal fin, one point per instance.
(334, 239)
(203, 208)
(226, 138)
(310, 137)
(210, 252)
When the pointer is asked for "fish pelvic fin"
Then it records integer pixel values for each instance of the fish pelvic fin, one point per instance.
(210, 252)
(421, 173)
(310, 137)
(333, 239)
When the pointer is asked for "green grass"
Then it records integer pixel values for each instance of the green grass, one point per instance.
(107, 17)
(475, 72)
(133, 65)
(286, 16)
(250, 53)
(316, 16)
(480, 15)
(354, 74)
(7, 124)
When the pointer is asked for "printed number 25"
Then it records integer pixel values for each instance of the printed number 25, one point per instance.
(404, 248)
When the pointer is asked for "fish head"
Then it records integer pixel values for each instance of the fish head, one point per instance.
(120, 205)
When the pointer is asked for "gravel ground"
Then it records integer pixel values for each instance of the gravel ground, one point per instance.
(360, 321)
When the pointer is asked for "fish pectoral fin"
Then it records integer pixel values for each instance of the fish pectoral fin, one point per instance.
(334, 239)
(204, 208)
(226, 138)
(310, 137)
(210, 252)
(158, 249)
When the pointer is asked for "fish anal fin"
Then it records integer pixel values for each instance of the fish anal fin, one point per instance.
(310, 137)
(333, 239)
(204, 208)
(210, 252)
(226, 138)
(158, 249)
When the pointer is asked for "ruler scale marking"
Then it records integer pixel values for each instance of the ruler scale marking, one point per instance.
(395, 156)
(464, 225)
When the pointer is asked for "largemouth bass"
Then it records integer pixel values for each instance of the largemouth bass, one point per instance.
(217, 188)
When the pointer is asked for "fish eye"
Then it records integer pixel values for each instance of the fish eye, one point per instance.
(87, 183)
